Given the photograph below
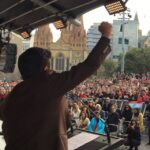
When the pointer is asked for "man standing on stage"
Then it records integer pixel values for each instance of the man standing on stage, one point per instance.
(35, 111)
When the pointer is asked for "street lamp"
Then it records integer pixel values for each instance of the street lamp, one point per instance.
(123, 48)
(122, 29)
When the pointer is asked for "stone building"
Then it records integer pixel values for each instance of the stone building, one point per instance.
(43, 37)
(132, 35)
(69, 50)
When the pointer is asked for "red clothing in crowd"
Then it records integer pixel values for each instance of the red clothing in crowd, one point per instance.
(143, 98)
(83, 95)
(2, 96)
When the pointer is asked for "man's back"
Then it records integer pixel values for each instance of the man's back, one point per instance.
(34, 115)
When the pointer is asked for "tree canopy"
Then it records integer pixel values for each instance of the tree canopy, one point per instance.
(137, 61)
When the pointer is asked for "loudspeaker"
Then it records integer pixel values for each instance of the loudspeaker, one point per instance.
(9, 58)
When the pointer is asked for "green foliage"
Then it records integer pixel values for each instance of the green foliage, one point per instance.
(137, 61)
(108, 68)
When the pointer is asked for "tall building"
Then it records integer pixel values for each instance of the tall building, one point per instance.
(132, 34)
(69, 50)
(43, 37)
(93, 36)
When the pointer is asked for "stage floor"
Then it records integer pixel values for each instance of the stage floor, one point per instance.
(143, 146)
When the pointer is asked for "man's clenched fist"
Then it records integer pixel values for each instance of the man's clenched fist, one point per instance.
(106, 29)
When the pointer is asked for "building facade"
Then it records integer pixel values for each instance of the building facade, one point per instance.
(69, 50)
(43, 37)
(93, 36)
(131, 34)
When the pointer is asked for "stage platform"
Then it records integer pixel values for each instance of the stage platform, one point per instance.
(103, 139)
(83, 140)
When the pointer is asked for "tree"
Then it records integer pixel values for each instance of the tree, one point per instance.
(108, 68)
(137, 61)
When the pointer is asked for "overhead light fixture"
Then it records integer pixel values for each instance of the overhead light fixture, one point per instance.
(60, 24)
(25, 34)
(115, 6)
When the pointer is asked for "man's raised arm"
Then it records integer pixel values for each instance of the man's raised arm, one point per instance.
(69, 79)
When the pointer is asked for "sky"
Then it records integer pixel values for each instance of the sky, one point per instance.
(142, 7)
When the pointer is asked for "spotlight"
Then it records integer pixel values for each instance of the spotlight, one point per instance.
(60, 24)
(25, 34)
(115, 6)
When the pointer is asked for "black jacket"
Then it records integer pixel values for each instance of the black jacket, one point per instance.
(134, 134)
(113, 119)
(127, 115)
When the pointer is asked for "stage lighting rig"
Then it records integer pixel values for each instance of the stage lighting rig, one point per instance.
(115, 6)
(60, 24)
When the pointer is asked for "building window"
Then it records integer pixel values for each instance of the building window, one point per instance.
(120, 41)
(60, 62)
(126, 41)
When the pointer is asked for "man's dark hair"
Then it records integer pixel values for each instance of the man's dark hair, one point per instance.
(33, 61)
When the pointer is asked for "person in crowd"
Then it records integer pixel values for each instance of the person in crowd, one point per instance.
(76, 113)
(134, 135)
(91, 108)
(84, 121)
(113, 119)
(107, 104)
(80, 104)
(143, 97)
(127, 115)
(2, 98)
(83, 95)
(97, 124)
(3, 94)
(148, 119)
(34, 114)
(131, 96)
(117, 109)
(118, 94)
(102, 113)
(138, 116)
(85, 109)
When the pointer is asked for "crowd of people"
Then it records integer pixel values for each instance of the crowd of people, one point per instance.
(5, 88)
(93, 105)
(131, 87)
